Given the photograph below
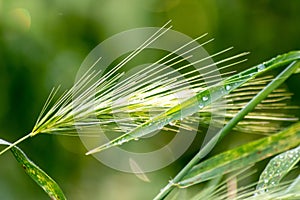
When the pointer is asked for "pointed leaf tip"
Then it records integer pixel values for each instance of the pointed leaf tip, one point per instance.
(101, 148)
(115, 142)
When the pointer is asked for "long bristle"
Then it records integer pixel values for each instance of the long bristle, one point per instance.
(153, 89)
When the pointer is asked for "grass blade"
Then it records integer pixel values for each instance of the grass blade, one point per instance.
(244, 156)
(277, 168)
(229, 126)
(200, 100)
(38, 175)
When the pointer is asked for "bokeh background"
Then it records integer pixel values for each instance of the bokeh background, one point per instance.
(42, 44)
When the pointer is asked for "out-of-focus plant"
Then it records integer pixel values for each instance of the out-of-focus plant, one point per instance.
(96, 96)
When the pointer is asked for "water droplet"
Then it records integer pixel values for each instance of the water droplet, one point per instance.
(273, 183)
(227, 87)
(204, 98)
(172, 123)
(252, 74)
(260, 67)
(266, 180)
(160, 125)
(121, 141)
(223, 91)
(201, 105)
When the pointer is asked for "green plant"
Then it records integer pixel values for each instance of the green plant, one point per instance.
(76, 109)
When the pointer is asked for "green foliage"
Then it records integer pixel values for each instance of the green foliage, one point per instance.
(278, 167)
(42, 45)
(247, 154)
(229, 126)
(203, 99)
(61, 117)
(75, 107)
(38, 175)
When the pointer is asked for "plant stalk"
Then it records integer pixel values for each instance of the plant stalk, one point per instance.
(15, 143)
(229, 126)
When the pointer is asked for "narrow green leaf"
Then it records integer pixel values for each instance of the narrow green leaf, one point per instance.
(38, 175)
(277, 168)
(200, 100)
(230, 125)
(243, 156)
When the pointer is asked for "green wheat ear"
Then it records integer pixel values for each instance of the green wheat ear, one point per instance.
(76, 106)
(202, 99)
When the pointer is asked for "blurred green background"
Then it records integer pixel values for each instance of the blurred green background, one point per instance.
(42, 44)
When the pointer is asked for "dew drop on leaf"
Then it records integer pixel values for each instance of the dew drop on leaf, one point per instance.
(201, 105)
(204, 98)
(260, 67)
(172, 123)
(227, 87)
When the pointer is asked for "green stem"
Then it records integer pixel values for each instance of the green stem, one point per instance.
(15, 143)
(228, 127)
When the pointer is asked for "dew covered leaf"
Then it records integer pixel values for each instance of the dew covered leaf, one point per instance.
(243, 156)
(277, 168)
(200, 100)
(38, 175)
